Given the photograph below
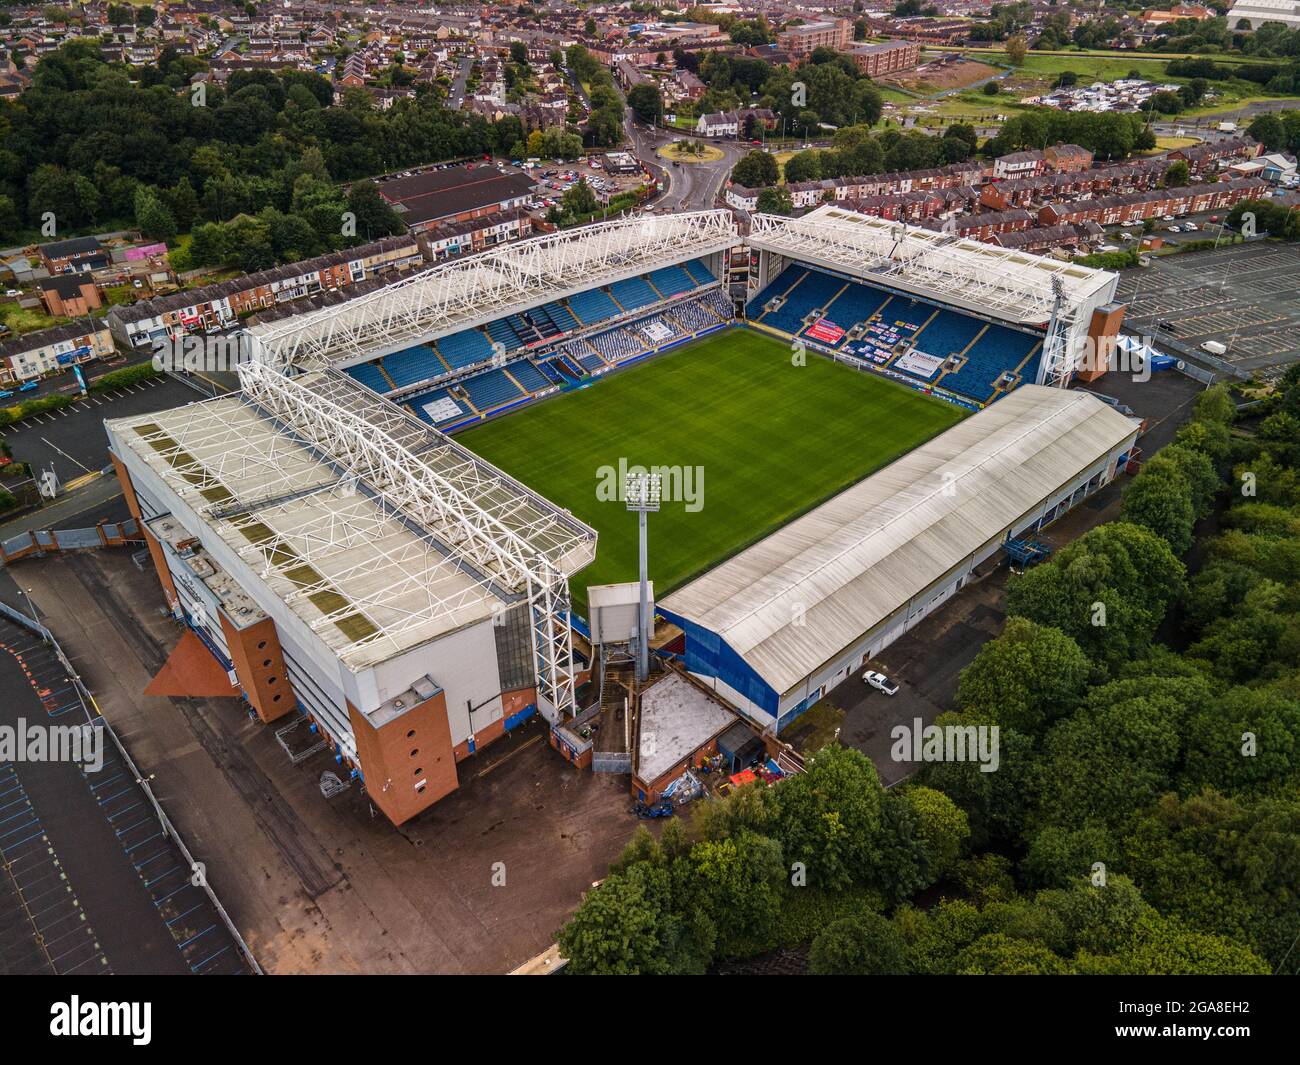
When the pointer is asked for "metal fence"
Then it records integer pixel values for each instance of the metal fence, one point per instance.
(34, 626)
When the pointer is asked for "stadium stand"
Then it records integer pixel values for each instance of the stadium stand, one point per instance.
(617, 344)
(529, 376)
(368, 373)
(502, 332)
(491, 389)
(671, 281)
(420, 404)
(562, 317)
(463, 349)
(547, 367)
(913, 339)
(699, 272)
(633, 292)
(538, 325)
(593, 306)
(412, 365)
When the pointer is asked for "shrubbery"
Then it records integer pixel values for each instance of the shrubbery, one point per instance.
(127, 375)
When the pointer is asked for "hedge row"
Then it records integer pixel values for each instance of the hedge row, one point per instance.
(28, 407)
(128, 375)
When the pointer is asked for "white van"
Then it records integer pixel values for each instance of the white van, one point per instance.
(1214, 347)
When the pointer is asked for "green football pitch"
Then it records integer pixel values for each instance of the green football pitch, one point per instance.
(758, 440)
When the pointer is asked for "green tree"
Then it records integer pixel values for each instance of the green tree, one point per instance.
(998, 954)
(1108, 591)
(804, 166)
(1161, 946)
(756, 170)
(1161, 501)
(737, 884)
(943, 827)
(647, 102)
(375, 218)
(627, 927)
(579, 199)
(1177, 173)
(868, 945)
(775, 201)
(152, 216)
(1027, 677)
(830, 817)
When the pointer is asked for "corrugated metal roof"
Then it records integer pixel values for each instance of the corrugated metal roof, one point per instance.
(793, 601)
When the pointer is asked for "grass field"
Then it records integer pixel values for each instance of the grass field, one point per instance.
(772, 440)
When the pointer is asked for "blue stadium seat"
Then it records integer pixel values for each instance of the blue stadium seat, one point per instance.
(528, 375)
(464, 349)
(491, 389)
(671, 280)
(562, 317)
(698, 271)
(856, 304)
(633, 293)
(997, 351)
(593, 306)
(368, 374)
(413, 365)
(948, 333)
(503, 332)
(779, 285)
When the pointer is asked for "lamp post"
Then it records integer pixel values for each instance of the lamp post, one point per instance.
(27, 594)
(641, 494)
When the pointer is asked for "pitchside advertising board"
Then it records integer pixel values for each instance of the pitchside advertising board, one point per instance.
(1209, 1018)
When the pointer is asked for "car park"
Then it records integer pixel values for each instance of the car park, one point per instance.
(880, 682)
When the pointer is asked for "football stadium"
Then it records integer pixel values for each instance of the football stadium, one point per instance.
(388, 536)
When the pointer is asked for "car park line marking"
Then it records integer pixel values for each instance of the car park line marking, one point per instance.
(65, 455)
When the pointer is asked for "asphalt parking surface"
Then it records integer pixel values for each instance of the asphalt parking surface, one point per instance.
(73, 440)
(90, 883)
(1245, 296)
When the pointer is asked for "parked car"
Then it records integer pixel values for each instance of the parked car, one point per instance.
(30, 386)
(1167, 325)
(880, 682)
(1191, 227)
(5, 395)
(1175, 229)
(12, 292)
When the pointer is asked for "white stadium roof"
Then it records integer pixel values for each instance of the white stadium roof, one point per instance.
(474, 290)
(377, 531)
(1259, 12)
(999, 282)
(791, 602)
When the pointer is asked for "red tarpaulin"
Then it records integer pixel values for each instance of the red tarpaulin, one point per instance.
(825, 331)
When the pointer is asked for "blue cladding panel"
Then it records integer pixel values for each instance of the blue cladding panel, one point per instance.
(711, 656)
